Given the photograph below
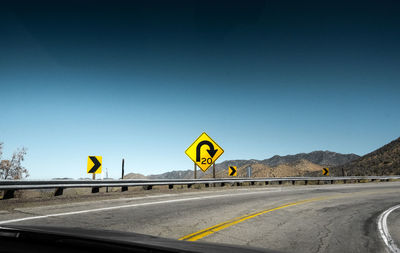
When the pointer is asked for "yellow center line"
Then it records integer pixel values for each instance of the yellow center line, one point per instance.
(205, 232)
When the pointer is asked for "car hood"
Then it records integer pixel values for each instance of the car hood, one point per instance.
(124, 238)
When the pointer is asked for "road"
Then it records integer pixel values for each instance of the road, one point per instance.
(315, 218)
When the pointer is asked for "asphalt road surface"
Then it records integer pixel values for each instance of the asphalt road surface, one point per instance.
(315, 218)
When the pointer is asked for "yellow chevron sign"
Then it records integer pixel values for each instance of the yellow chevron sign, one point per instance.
(94, 164)
(232, 171)
(325, 171)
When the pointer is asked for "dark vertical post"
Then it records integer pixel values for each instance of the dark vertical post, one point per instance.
(195, 171)
(59, 191)
(94, 189)
(8, 194)
(107, 178)
(213, 170)
(123, 165)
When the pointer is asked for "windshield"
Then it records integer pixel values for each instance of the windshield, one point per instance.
(269, 125)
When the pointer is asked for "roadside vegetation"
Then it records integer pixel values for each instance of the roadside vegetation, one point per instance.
(12, 168)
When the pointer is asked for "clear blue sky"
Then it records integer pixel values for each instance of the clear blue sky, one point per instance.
(143, 81)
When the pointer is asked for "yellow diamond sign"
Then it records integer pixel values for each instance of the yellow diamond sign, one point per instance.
(204, 151)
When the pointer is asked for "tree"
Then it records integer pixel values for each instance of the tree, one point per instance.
(12, 169)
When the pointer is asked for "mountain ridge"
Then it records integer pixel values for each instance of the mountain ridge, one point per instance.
(382, 161)
(275, 166)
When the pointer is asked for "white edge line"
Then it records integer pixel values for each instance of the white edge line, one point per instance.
(128, 206)
(384, 231)
(146, 204)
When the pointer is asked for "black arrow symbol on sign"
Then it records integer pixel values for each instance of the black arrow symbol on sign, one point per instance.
(96, 165)
(233, 171)
(210, 151)
(325, 171)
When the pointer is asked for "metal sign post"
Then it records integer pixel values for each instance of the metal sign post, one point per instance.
(195, 171)
(213, 170)
(249, 171)
(107, 178)
(123, 165)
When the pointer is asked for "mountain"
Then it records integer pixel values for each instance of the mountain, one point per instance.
(383, 161)
(277, 166)
(175, 174)
(295, 168)
(134, 176)
(323, 158)
(302, 164)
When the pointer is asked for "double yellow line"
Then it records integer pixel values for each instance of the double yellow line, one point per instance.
(205, 232)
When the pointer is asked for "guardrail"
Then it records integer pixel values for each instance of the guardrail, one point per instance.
(10, 186)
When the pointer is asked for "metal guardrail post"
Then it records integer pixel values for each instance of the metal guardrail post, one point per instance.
(8, 194)
(59, 191)
(147, 187)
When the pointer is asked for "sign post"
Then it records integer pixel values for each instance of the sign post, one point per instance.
(123, 168)
(107, 178)
(213, 170)
(195, 171)
(249, 171)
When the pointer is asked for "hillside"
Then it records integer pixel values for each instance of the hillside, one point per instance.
(284, 166)
(383, 161)
(183, 174)
(176, 174)
(295, 168)
(277, 166)
(323, 158)
(135, 176)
